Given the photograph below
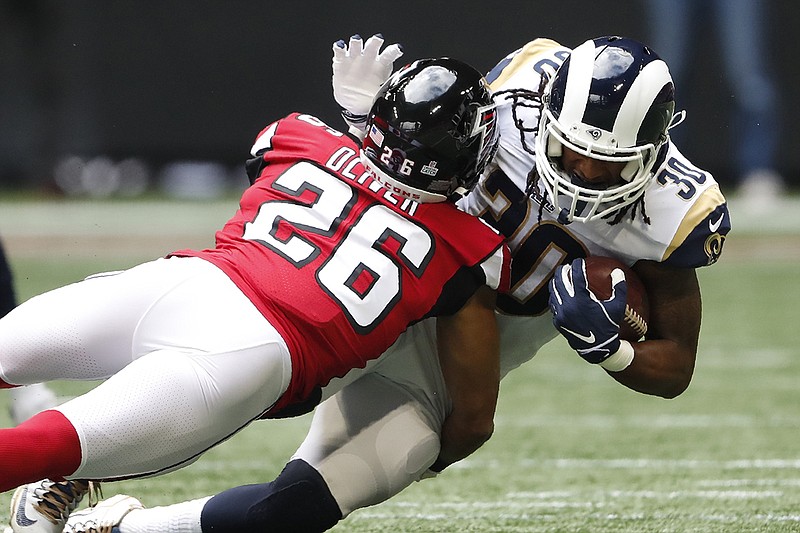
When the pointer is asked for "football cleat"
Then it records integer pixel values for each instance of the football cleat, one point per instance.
(44, 507)
(103, 517)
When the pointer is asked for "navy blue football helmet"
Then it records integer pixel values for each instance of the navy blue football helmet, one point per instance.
(431, 130)
(612, 99)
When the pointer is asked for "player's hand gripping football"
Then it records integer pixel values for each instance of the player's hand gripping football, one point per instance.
(359, 70)
(590, 325)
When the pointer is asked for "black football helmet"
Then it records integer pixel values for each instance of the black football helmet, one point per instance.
(431, 130)
(612, 99)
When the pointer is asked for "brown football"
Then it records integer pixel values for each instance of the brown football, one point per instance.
(637, 308)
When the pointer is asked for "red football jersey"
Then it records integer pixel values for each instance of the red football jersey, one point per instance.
(337, 263)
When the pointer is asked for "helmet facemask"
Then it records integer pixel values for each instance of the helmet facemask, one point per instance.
(627, 128)
(577, 200)
(481, 129)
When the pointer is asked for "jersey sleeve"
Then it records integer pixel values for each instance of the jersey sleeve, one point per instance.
(497, 269)
(539, 56)
(700, 236)
(263, 143)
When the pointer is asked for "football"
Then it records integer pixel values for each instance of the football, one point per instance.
(637, 308)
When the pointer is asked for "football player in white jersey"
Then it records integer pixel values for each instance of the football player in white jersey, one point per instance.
(585, 167)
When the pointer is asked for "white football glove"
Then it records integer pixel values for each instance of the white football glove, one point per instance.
(359, 70)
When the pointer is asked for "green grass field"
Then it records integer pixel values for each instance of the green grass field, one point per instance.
(573, 450)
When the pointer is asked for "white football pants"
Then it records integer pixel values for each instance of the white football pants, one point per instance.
(191, 360)
(378, 429)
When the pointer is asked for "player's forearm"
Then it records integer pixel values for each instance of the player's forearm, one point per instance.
(663, 364)
(461, 437)
(470, 423)
(659, 368)
(469, 353)
(473, 392)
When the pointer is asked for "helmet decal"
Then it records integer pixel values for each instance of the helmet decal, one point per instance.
(376, 135)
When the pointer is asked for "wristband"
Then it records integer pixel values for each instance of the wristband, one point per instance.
(621, 359)
(353, 118)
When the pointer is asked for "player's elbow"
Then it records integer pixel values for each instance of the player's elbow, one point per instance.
(678, 384)
(479, 432)
(673, 392)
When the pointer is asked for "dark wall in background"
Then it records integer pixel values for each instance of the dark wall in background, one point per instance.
(197, 80)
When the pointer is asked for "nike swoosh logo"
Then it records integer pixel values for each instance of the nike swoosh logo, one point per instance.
(584, 338)
(22, 518)
(714, 226)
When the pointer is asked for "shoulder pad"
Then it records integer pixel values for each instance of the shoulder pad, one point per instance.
(700, 237)
(539, 56)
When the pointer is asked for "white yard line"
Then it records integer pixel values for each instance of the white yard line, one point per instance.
(647, 421)
(635, 464)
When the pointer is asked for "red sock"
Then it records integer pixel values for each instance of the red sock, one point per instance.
(44, 446)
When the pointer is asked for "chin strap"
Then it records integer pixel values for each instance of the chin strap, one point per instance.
(677, 119)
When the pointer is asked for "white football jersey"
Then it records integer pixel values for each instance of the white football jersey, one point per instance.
(686, 227)
(685, 216)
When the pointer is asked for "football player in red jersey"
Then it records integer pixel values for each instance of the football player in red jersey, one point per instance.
(585, 167)
(337, 247)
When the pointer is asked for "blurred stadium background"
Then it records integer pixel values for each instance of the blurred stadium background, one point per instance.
(113, 93)
(148, 110)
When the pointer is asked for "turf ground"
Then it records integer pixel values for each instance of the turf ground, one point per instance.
(573, 450)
